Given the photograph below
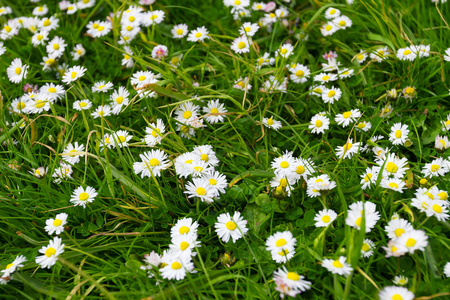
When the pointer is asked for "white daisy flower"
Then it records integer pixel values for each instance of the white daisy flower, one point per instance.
(367, 248)
(271, 123)
(338, 266)
(154, 133)
(248, 29)
(50, 253)
(179, 31)
(71, 148)
(299, 73)
(198, 35)
(363, 126)
(17, 71)
(72, 74)
(101, 111)
(242, 84)
(328, 28)
(332, 94)
(216, 180)
(227, 226)
(319, 123)
(324, 77)
(184, 245)
(64, 171)
(394, 293)
(332, 13)
(102, 87)
(380, 54)
(292, 279)
(15, 265)
(82, 105)
(411, 241)
(284, 165)
(81, 196)
(56, 225)
(406, 54)
(342, 22)
(285, 50)
(325, 217)
(438, 167)
(199, 187)
(281, 245)
(214, 109)
(119, 99)
(176, 266)
(347, 117)
(400, 280)
(241, 45)
(39, 38)
(121, 138)
(54, 92)
(127, 59)
(359, 210)
(143, 78)
(153, 162)
(152, 17)
(184, 226)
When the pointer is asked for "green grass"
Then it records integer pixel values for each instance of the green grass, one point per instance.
(106, 242)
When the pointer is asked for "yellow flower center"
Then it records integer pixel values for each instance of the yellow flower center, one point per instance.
(331, 93)
(399, 231)
(95, 25)
(119, 100)
(337, 264)
(361, 125)
(406, 52)
(187, 114)
(212, 181)
(397, 297)
(283, 252)
(272, 15)
(241, 45)
(326, 219)
(237, 2)
(126, 56)
(50, 62)
(391, 167)
(83, 104)
(230, 225)
(83, 196)
(9, 265)
(300, 73)
(100, 28)
(184, 245)
(176, 265)
(283, 182)
(57, 222)
(40, 8)
(131, 18)
(155, 132)
(129, 27)
(437, 208)
(410, 242)
(201, 191)
(409, 90)
(284, 51)
(214, 111)
(39, 37)
(328, 27)
(154, 162)
(332, 12)
(184, 229)
(280, 242)
(300, 170)
(198, 169)
(56, 46)
(73, 75)
(17, 70)
(347, 146)
(121, 139)
(47, 23)
(293, 276)
(393, 185)
(51, 90)
(40, 103)
(50, 251)
(368, 177)
(198, 34)
(175, 60)
(101, 113)
(270, 121)
(423, 181)
(284, 164)
(360, 57)
(365, 247)
(434, 168)
(347, 114)
(443, 195)
(342, 23)
(358, 222)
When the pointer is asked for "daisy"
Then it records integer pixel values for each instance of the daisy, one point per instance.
(56, 47)
(206, 154)
(121, 138)
(331, 95)
(102, 86)
(393, 250)
(406, 54)
(50, 253)
(56, 225)
(101, 111)
(332, 13)
(400, 280)
(358, 210)
(175, 267)
(348, 150)
(183, 164)
(154, 133)
(40, 10)
(248, 29)
(4, 10)
(160, 52)
(319, 183)
(99, 29)
(48, 24)
(83, 196)
(153, 162)
(198, 35)
(380, 54)
(217, 181)
(12, 267)
(264, 60)
(242, 84)
(64, 171)
(82, 104)
(438, 209)
(282, 246)
(199, 187)
(411, 241)
(367, 248)
(127, 59)
(259, 6)
(85, 4)
(143, 78)
(328, 28)
(72, 74)
(284, 165)
(285, 50)
(325, 217)
(397, 227)
(187, 111)
(38, 104)
(184, 226)
(241, 45)
(393, 166)
(152, 17)
(342, 22)
(338, 266)
(119, 99)
(394, 184)
(179, 31)
(345, 73)
(53, 91)
(324, 77)
(227, 226)
(347, 117)
(214, 109)
(300, 73)
(39, 172)
(78, 52)
(363, 126)
(303, 168)
(292, 279)
(446, 123)
(39, 38)
(319, 123)
(17, 71)
(441, 143)
(399, 134)
(447, 270)
(184, 245)
(271, 123)
(394, 293)
(72, 8)
(438, 167)
(71, 148)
